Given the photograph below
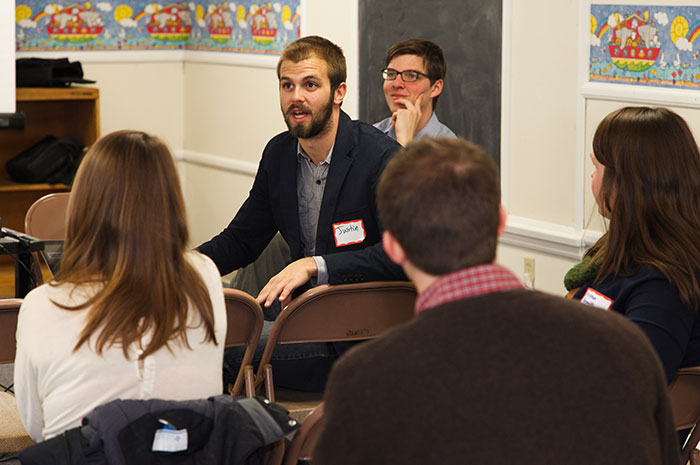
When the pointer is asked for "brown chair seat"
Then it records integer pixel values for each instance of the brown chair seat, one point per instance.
(13, 436)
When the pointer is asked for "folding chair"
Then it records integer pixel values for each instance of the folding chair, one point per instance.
(46, 220)
(245, 322)
(346, 312)
(13, 436)
(684, 396)
(305, 438)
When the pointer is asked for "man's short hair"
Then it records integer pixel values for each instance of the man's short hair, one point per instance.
(440, 199)
(430, 52)
(322, 48)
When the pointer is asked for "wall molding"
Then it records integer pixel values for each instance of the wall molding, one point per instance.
(640, 95)
(219, 162)
(161, 56)
(542, 236)
(111, 56)
(552, 238)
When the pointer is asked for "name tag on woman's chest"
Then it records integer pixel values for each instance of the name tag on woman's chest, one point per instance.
(596, 299)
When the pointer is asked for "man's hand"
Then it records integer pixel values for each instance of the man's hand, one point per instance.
(405, 120)
(283, 283)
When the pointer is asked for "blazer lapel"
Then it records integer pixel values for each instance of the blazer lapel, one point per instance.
(341, 161)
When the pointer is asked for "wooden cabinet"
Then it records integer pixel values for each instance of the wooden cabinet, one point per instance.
(66, 111)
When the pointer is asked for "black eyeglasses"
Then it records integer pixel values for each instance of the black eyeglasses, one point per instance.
(409, 75)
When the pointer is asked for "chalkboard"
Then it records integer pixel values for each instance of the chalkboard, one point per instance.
(469, 33)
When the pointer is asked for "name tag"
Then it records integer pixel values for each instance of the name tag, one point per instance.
(596, 299)
(169, 439)
(349, 232)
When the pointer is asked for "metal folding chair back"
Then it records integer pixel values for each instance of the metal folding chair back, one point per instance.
(684, 396)
(245, 322)
(46, 218)
(346, 312)
(305, 438)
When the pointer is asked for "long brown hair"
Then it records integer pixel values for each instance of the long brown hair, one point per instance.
(126, 232)
(651, 187)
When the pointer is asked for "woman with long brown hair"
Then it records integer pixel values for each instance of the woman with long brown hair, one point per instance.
(132, 312)
(646, 181)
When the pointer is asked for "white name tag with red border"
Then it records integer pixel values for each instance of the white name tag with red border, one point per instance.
(596, 299)
(349, 232)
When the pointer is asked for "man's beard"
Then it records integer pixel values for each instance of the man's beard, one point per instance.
(319, 122)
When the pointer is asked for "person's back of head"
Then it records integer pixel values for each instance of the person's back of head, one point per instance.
(440, 199)
(126, 232)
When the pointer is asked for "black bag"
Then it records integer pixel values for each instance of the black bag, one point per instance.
(45, 72)
(52, 160)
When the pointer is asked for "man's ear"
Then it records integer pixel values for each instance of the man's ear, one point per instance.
(436, 88)
(503, 216)
(339, 95)
(393, 249)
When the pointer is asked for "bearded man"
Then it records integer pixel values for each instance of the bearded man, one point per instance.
(316, 186)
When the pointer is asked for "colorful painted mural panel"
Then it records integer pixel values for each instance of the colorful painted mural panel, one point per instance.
(243, 27)
(645, 45)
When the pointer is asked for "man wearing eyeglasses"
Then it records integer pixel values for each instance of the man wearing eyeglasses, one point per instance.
(413, 80)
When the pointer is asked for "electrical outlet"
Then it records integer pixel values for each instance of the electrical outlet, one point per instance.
(529, 270)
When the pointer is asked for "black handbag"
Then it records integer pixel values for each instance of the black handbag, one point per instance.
(52, 160)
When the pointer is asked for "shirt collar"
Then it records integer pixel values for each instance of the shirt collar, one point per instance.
(428, 124)
(465, 283)
(391, 132)
(302, 154)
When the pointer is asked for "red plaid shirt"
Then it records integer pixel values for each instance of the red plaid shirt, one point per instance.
(469, 282)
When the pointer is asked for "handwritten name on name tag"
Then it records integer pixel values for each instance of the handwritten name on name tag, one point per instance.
(596, 299)
(349, 232)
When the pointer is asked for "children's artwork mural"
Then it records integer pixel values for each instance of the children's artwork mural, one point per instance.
(645, 45)
(244, 26)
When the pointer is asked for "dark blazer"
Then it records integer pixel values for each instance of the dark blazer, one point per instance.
(359, 156)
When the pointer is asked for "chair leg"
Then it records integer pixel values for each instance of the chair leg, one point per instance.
(689, 448)
(695, 457)
(249, 381)
(36, 270)
(274, 453)
(269, 383)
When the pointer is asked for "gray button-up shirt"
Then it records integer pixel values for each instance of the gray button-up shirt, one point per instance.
(311, 182)
(433, 128)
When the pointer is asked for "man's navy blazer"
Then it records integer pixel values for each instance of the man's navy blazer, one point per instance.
(359, 156)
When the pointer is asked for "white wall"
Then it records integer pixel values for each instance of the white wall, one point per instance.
(218, 116)
(231, 111)
(141, 95)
